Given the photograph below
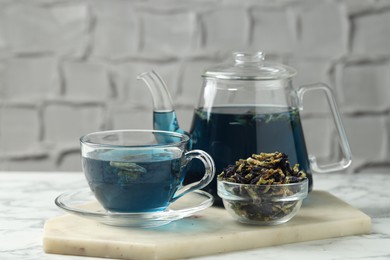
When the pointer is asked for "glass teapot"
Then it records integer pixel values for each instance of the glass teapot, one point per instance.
(247, 106)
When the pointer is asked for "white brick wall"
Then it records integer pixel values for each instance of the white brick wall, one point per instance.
(274, 30)
(371, 34)
(323, 29)
(219, 29)
(365, 86)
(68, 68)
(30, 77)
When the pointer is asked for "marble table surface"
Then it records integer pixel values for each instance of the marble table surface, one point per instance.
(27, 200)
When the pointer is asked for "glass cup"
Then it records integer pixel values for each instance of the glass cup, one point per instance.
(140, 170)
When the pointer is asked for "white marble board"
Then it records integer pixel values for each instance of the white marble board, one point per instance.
(211, 231)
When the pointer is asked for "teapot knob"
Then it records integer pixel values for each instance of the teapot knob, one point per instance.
(242, 57)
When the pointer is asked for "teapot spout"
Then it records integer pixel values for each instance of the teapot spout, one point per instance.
(164, 115)
(162, 100)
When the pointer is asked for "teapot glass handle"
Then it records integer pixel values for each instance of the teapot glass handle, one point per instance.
(343, 141)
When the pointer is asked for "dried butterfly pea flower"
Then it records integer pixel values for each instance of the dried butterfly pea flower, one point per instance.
(263, 168)
(265, 172)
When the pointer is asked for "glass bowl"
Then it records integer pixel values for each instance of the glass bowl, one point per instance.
(262, 204)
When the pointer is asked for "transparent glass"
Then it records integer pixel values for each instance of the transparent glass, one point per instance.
(251, 106)
(140, 170)
(83, 204)
(262, 204)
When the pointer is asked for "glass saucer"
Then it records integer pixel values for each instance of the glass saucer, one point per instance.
(84, 204)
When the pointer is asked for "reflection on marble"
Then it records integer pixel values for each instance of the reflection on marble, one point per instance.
(27, 200)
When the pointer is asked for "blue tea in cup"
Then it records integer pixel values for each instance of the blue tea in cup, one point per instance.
(140, 170)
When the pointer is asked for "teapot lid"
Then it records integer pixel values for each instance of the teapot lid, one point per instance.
(249, 66)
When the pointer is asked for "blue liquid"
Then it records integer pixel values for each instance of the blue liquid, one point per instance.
(231, 133)
(167, 121)
(133, 186)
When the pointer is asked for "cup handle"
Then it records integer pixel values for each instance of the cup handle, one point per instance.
(343, 141)
(207, 177)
